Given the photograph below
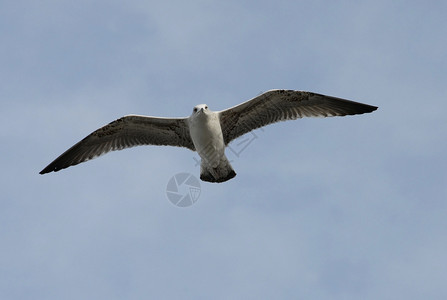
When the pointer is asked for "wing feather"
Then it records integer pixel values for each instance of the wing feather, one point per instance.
(126, 132)
(281, 105)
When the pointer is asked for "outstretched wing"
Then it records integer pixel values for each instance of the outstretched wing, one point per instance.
(281, 105)
(123, 133)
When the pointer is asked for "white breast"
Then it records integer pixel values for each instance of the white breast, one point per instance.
(206, 135)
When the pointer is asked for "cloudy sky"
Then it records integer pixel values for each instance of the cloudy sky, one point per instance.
(336, 208)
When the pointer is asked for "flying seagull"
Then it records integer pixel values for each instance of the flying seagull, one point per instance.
(205, 131)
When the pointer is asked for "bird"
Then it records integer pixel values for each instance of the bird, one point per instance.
(205, 131)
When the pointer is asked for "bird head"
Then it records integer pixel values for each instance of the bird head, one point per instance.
(200, 109)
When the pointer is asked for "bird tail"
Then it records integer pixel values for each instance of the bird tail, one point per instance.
(221, 173)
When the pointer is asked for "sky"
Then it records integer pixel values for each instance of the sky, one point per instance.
(324, 208)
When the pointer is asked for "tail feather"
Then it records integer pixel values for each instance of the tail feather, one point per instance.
(223, 172)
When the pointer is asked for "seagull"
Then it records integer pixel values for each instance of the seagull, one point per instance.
(205, 131)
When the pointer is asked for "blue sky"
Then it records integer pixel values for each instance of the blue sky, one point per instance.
(336, 208)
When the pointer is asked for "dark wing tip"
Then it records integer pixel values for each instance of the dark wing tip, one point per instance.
(55, 166)
(367, 109)
(372, 108)
(48, 169)
(348, 107)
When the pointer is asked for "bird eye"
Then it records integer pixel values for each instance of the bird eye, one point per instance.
(195, 109)
(206, 107)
